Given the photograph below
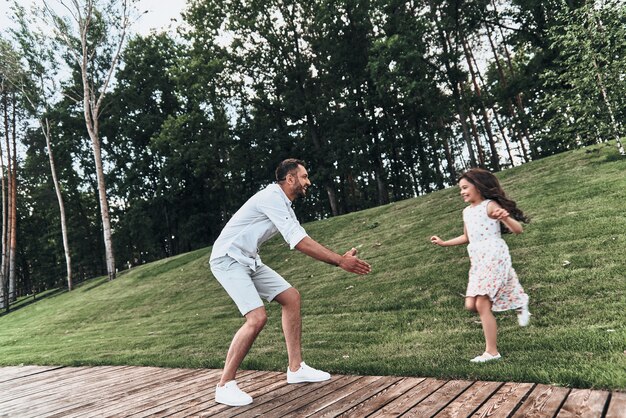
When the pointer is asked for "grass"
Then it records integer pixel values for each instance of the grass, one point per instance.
(406, 318)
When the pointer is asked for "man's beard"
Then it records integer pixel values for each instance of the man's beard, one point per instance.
(301, 192)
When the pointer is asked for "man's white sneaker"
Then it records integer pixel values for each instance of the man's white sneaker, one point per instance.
(231, 395)
(306, 374)
(485, 357)
(523, 316)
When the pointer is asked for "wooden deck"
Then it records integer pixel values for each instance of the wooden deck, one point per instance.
(123, 391)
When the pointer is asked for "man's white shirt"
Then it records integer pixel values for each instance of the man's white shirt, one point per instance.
(259, 219)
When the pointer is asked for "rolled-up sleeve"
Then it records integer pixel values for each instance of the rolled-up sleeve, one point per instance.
(284, 219)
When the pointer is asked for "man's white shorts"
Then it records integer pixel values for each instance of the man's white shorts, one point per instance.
(245, 286)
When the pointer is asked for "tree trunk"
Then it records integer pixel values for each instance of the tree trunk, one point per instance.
(85, 53)
(495, 114)
(104, 204)
(6, 255)
(312, 124)
(91, 122)
(436, 162)
(395, 160)
(379, 168)
(91, 110)
(4, 284)
(518, 96)
(607, 102)
(504, 138)
(605, 94)
(448, 151)
(13, 212)
(463, 120)
(509, 103)
(495, 158)
(381, 177)
(457, 94)
(422, 158)
(330, 189)
(57, 189)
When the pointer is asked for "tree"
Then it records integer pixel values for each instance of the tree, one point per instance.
(272, 54)
(8, 106)
(5, 296)
(37, 86)
(93, 38)
(586, 89)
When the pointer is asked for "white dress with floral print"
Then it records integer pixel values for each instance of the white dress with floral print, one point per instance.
(491, 272)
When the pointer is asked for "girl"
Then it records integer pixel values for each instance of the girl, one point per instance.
(493, 284)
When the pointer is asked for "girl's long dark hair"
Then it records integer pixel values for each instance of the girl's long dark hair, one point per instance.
(489, 188)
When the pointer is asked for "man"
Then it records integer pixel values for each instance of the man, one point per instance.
(236, 264)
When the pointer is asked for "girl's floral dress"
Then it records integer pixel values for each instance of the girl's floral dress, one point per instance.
(491, 272)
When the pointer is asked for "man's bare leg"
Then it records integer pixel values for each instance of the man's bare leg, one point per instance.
(292, 325)
(242, 341)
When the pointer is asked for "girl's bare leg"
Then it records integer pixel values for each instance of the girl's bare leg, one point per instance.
(490, 328)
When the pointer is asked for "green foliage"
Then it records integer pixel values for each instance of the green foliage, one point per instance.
(143, 100)
(40, 249)
(405, 318)
(374, 94)
(591, 45)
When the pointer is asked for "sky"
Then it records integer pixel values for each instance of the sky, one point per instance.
(158, 16)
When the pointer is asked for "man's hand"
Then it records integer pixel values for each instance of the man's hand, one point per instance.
(351, 263)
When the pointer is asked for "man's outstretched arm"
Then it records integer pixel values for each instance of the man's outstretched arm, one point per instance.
(349, 261)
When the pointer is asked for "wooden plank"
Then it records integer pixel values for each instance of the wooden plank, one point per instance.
(189, 391)
(206, 399)
(266, 389)
(70, 397)
(504, 401)
(617, 407)
(200, 395)
(438, 399)
(55, 397)
(136, 391)
(18, 372)
(204, 394)
(331, 398)
(543, 402)
(52, 394)
(585, 403)
(208, 379)
(264, 395)
(303, 394)
(409, 399)
(287, 404)
(34, 383)
(356, 398)
(383, 397)
(470, 400)
(267, 407)
(81, 392)
(57, 391)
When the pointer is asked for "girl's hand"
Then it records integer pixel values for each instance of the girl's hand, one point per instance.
(499, 214)
(436, 240)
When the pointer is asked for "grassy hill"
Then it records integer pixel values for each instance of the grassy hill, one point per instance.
(405, 318)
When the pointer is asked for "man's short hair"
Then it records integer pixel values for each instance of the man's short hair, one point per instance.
(287, 166)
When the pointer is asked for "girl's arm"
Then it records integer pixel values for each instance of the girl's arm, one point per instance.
(495, 211)
(462, 239)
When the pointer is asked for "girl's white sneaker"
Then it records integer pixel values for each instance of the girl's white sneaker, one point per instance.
(523, 316)
(484, 357)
